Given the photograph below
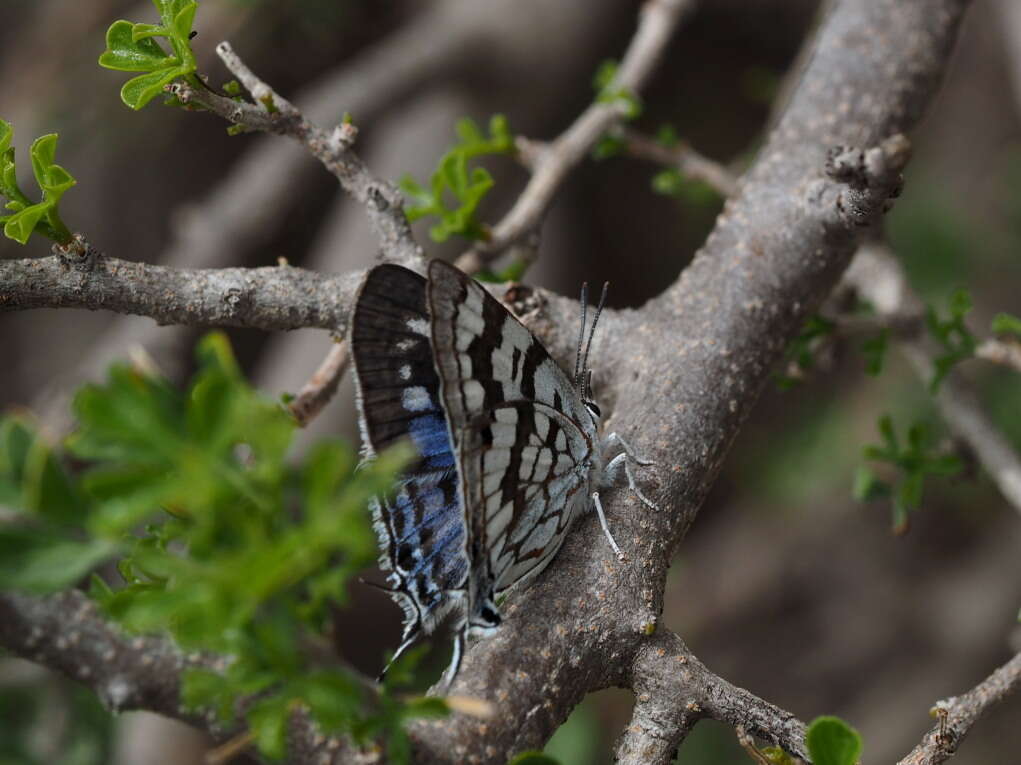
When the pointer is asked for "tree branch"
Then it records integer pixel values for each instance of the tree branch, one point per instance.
(322, 386)
(659, 19)
(66, 633)
(269, 298)
(674, 690)
(682, 158)
(272, 113)
(959, 713)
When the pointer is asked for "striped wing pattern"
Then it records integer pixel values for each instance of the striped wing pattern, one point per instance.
(422, 529)
(524, 441)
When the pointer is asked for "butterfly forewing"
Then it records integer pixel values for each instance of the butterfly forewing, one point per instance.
(422, 528)
(523, 439)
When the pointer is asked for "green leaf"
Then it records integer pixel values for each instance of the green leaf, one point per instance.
(668, 182)
(953, 334)
(667, 136)
(455, 178)
(20, 226)
(777, 756)
(608, 146)
(1003, 323)
(868, 487)
(138, 91)
(267, 721)
(874, 351)
(183, 20)
(831, 741)
(909, 492)
(126, 53)
(960, 303)
(886, 430)
(51, 177)
(604, 74)
(142, 31)
(40, 562)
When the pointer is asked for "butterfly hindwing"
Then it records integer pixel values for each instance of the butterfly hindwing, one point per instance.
(523, 438)
(422, 528)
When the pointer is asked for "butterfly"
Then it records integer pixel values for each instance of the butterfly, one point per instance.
(508, 446)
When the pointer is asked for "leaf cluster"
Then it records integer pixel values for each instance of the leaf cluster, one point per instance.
(219, 539)
(611, 144)
(913, 461)
(454, 177)
(132, 47)
(53, 180)
(952, 334)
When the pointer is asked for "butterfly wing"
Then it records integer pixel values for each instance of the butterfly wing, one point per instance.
(523, 438)
(421, 529)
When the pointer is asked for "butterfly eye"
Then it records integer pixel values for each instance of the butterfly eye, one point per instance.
(593, 408)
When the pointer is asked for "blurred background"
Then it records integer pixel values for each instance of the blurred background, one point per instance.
(785, 585)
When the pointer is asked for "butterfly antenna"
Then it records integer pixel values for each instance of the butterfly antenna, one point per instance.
(588, 346)
(581, 335)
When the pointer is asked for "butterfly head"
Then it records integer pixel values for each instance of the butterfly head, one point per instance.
(582, 374)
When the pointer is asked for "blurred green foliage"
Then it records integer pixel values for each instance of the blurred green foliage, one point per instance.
(220, 540)
(800, 355)
(454, 177)
(52, 717)
(956, 340)
(913, 460)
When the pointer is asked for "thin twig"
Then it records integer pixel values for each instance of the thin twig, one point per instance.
(959, 713)
(747, 742)
(322, 386)
(272, 113)
(658, 20)
(1005, 352)
(682, 158)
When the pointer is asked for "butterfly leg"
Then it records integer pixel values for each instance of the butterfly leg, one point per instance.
(606, 528)
(621, 461)
(408, 639)
(617, 438)
(455, 661)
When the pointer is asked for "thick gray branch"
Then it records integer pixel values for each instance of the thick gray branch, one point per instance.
(270, 298)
